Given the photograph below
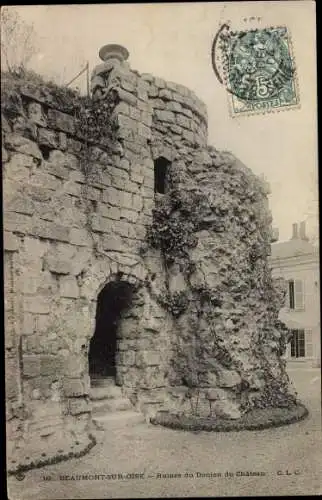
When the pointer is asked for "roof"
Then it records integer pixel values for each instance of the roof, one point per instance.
(292, 248)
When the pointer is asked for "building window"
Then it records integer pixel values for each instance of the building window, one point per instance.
(309, 343)
(296, 295)
(298, 344)
(160, 175)
(291, 294)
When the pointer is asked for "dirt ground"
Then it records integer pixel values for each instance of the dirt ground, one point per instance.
(286, 460)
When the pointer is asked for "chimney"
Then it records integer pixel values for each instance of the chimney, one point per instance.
(275, 235)
(302, 231)
(294, 231)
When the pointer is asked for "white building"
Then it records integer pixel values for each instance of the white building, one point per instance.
(297, 261)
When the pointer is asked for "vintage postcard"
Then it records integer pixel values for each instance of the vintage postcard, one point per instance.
(161, 251)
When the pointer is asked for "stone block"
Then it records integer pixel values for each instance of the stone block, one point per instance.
(124, 121)
(187, 112)
(19, 223)
(10, 242)
(183, 121)
(108, 211)
(129, 215)
(127, 97)
(78, 406)
(38, 193)
(68, 287)
(57, 170)
(12, 378)
(16, 172)
(20, 204)
(188, 135)
(148, 358)
(92, 193)
(135, 113)
(62, 137)
(58, 265)
(73, 388)
(159, 104)
(122, 108)
(45, 179)
(28, 324)
(61, 121)
(50, 365)
(112, 196)
(228, 378)
(80, 237)
(112, 243)
(123, 164)
(31, 366)
(138, 178)
(36, 114)
(125, 200)
(67, 160)
(137, 231)
(153, 377)
(119, 182)
(160, 83)
(48, 138)
(137, 202)
(165, 116)
(127, 85)
(74, 366)
(36, 304)
(121, 228)
(17, 142)
(5, 155)
(126, 358)
(50, 231)
(120, 173)
(166, 94)
(101, 224)
(144, 131)
(142, 94)
(42, 322)
(73, 188)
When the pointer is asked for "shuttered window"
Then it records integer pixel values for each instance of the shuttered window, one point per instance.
(298, 344)
(299, 294)
(308, 343)
(295, 295)
(291, 296)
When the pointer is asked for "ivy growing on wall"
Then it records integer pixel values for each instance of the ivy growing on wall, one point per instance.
(173, 227)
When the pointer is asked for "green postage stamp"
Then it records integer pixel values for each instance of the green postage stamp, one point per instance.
(258, 69)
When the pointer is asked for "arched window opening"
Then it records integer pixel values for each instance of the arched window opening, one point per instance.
(161, 167)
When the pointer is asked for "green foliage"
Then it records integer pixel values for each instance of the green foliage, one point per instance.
(59, 457)
(93, 120)
(253, 420)
(175, 303)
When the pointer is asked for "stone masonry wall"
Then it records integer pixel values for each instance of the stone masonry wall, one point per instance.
(69, 228)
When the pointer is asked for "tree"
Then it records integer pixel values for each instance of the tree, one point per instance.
(17, 40)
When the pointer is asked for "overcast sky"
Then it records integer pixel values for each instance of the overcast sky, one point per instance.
(174, 41)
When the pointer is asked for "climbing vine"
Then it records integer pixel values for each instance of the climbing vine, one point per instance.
(173, 227)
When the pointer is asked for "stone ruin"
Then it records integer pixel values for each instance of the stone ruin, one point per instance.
(135, 251)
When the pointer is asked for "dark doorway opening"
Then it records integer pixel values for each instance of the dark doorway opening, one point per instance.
(161, 166)
(113, 300)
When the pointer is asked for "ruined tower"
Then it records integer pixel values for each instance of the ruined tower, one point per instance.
(134, 252)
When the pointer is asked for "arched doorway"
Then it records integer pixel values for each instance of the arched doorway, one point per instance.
(112, 302)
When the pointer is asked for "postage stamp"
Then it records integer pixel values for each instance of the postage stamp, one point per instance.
(257, 68)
